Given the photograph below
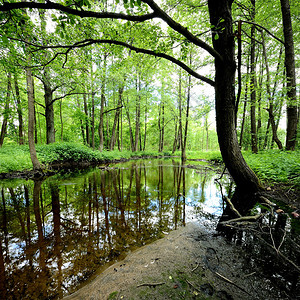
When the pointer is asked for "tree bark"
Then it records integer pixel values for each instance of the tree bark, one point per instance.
(292, 109)
(245, 107)
(161, 124)
(100, 128)
(116, 119)
(253, 84)
(93, 121)
(180, 143)
(271, 105)
(137, 113)
(19, 110)
(31, 124)
(87, 119)
(49, 109)
(129, 125)
(247, 184)
(183, 152)
(6, 110)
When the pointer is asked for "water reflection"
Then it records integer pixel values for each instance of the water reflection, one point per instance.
(272, 247)
(55, 234)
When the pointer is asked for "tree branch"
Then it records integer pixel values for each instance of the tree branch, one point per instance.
(68, 94)
(107, 111)
(89, 42)
(49, 5)
(157, 13)
(265, 29)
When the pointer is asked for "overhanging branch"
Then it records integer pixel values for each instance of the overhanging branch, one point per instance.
(89, 42)
(157, 13)
(49, 5)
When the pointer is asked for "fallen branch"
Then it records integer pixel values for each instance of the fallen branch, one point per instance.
(231, 282)
(241, 219)
(232, 206)
(151, 284)
(266, 201)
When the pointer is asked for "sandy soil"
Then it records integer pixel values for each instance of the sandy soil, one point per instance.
(188, 263)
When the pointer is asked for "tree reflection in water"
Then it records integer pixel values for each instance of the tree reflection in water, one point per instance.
(55, 234)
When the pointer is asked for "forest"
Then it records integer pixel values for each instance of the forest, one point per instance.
(93, 83)
(112, 82)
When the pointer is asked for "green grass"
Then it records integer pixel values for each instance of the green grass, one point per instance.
(17, 158)
(272, 166)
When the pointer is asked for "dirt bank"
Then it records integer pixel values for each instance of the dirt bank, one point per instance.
(188, 263)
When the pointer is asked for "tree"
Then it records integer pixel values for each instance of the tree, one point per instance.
(220, 13)
(6, 110)
(292, 109)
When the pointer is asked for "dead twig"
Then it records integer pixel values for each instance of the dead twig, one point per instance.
(241, 219)
(231, 282)
(193, 286)
(194, 269)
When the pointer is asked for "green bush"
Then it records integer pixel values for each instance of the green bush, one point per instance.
(65, 152)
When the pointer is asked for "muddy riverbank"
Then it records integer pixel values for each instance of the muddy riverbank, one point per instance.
(188, 263)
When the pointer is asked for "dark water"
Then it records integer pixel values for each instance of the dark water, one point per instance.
(55, 234)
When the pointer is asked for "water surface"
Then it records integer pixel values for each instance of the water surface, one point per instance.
(55, 234)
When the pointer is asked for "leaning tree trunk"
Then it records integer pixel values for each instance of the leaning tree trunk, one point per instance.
(247, 184)
(292, 114)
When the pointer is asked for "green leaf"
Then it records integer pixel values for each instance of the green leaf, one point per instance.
(216, 37)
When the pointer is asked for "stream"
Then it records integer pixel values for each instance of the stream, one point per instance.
(57, 233)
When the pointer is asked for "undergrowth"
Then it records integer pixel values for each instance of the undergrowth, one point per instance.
(272, 166)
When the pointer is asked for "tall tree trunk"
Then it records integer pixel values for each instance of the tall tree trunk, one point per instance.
(183, 152)
(19, 110)
(175, 136)
(116, 119)
(180, 143)
(161, 124)
(129, 125)
(6, 110)
(100, 128)
(87, 120)
(49, 109)
(270, 98)
(245, 107)
(247, 184)
(292, 109)
(93, 121)
(137, 113)
(35, 120)
(61, 121)
(31, 124)
(253, 85)
(145, 126)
